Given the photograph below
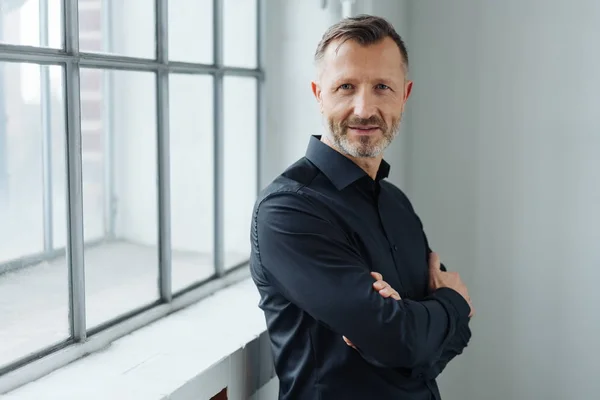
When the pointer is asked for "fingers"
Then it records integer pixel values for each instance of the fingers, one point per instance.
(378, 285)
(389, 292)
(434, 261)
(383, 287)
(377, 275)
(348, 342)
(385, 290)
(472, 313)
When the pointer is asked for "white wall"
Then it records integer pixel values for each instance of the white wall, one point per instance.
(504, 170)
(292, 113)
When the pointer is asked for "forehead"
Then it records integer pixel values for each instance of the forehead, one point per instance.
(350, 58)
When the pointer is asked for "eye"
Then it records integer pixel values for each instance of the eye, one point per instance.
(381, 86)
(346, 86)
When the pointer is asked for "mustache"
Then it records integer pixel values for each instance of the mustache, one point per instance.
(373, 120)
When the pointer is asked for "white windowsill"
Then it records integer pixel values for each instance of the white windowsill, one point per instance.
(159, 360)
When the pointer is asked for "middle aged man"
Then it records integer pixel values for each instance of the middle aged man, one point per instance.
(357, 305)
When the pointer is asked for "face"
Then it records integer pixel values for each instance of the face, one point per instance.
(362, 91)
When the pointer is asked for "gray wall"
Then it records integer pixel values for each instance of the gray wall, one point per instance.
(504, 160)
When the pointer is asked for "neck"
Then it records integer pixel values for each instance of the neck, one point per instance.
(368, 164)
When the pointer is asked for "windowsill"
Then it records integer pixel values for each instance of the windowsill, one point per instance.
(120, 277)
(195, 350)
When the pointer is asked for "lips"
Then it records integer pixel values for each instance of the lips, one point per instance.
(364, 129)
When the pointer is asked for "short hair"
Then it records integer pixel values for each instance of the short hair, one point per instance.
(363, 29)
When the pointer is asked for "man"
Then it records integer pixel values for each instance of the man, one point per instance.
(357, 305)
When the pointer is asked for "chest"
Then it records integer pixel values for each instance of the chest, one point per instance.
(390, 239)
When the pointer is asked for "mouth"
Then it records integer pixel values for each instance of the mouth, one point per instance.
(364, 130)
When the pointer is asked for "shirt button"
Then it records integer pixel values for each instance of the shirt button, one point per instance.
(395, 247)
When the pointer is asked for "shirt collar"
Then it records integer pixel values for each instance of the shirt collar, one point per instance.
(340, 170)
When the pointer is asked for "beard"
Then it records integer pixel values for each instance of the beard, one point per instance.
(368, 146)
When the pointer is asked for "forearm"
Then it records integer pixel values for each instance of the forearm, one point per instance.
(334, 286)
(453, 348)
(415, 335)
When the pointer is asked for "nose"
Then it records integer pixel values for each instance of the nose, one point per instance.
(364, 104)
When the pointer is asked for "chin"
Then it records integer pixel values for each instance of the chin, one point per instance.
(363, 150)
(370, 140)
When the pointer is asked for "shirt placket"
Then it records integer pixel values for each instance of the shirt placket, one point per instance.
(393, 247)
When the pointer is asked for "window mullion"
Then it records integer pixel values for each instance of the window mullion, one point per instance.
(75, 242)
(219, 156)
(163, 153)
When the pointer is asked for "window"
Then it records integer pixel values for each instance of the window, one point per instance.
(192, 206)
(129, 163)
(240, 149)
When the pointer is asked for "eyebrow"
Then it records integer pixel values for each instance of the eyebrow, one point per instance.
(385, 81)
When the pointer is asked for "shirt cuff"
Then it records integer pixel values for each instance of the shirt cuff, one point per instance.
(451, 296)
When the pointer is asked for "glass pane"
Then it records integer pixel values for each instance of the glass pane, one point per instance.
(34, 291)
(240, 165)
(191, 31)
(31, 22)
(192, 213)
(125, 28)
(118, 130)
(95, 139)
(240, 33)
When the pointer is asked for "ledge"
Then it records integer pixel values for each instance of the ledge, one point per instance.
(218, 342)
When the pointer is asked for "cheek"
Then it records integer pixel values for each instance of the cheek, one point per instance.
(338, 112)
(393, 112)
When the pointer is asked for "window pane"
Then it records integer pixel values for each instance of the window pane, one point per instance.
(96, 136)
(192, 183)
(240, 33)
(240, 166)
(34, 291)
(118, 129)
(22, 21)
(191, 31)
(118, 27)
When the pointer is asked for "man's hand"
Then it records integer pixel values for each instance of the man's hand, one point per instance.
(384, 289)
(439, 279)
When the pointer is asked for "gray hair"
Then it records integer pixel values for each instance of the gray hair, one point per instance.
(363, 29)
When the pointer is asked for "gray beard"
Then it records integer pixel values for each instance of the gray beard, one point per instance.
(366, 147)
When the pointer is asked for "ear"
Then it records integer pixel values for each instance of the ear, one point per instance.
(316, 89)
(407, 90)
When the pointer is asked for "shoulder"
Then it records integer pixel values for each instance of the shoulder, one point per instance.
(287, 203)
(288, 194)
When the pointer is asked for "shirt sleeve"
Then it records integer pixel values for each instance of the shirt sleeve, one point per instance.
(453, 347)
(311, 261)
(455, 344)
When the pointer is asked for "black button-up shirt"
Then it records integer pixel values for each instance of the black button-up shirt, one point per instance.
(318, 230)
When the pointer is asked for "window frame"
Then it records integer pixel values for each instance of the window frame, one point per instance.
(83, 341)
